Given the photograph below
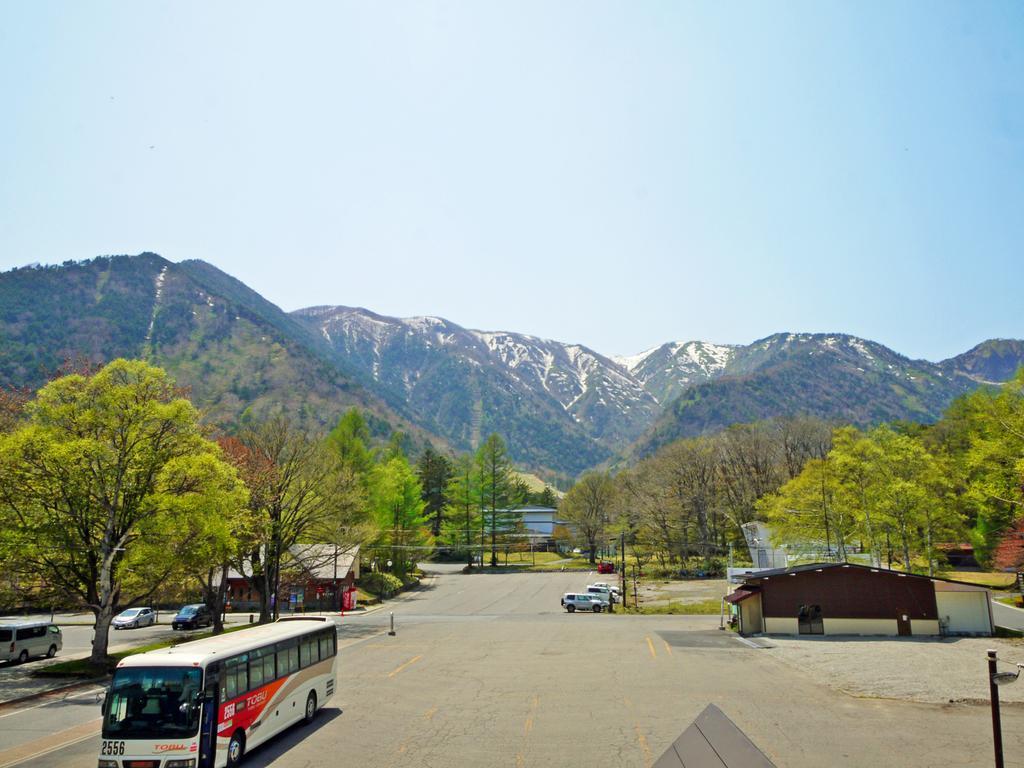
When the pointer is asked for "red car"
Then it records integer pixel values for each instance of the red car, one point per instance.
(605, 567)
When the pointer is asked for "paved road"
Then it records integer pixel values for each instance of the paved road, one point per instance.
(486, 670)
(16, 680)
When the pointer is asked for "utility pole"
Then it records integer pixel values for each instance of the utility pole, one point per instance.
(997, 728)
(622, 570)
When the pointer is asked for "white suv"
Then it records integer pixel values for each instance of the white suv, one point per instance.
(602, 593)
(574, 601)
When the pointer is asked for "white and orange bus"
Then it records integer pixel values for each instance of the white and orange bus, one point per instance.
(203, 704)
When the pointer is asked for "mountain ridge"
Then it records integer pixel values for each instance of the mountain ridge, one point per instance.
(562, 407)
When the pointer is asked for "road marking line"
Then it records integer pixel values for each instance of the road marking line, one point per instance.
(54, 700)
(668, 648)
(644, 747)
(650, 647)
(429, 714)
(45, 745)
(529, 718)
(410, 662)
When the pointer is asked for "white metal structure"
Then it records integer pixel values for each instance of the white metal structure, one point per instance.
(203, 704)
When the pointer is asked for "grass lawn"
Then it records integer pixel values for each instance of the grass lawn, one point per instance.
(1013, 602)
(82, 667)
(519, 558)
(702, 608)
(994, 580)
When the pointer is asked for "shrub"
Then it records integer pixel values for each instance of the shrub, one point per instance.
(381, 583)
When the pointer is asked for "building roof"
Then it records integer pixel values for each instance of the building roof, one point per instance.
(316, 560)
(760, 575)
(740, 594)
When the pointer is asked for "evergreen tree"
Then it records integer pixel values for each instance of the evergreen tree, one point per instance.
(350, 440)
(462, 518)
(435, 473)
(498, 492)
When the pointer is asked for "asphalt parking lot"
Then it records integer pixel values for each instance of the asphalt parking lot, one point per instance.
(487, 670)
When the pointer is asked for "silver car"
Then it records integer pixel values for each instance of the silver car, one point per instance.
(576, 601)
(133, 618)
(23, 641)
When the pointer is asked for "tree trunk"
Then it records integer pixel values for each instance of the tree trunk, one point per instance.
(593, 553)
(102, 634)
(216, 596)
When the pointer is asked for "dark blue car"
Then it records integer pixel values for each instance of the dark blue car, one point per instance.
(192, 617)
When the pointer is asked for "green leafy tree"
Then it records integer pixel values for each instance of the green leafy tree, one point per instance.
(590, 507)
(110, 486)
(298, 497)
(396, 499)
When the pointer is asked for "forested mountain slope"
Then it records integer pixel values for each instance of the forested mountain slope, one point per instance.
(236, 351)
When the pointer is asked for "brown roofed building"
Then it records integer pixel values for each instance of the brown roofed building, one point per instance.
(849, 599)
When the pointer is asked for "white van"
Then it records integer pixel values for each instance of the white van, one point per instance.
(22, 641)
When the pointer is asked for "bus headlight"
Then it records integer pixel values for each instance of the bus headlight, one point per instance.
(190, 763)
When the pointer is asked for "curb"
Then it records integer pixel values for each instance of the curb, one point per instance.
(67, 688)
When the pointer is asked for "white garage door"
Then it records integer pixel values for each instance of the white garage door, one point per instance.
(966, 612)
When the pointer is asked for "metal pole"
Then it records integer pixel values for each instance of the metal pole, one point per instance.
(622, 575)
(392, 630)
(997, 728)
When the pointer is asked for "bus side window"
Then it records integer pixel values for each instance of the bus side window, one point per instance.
(256, 669)
(326, 645)
(235, 677)
(212, 680)
(306, 659)
(287, 658)
(269, 669)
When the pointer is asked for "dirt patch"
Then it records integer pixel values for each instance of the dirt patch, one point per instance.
(935, 671)
(662, 591)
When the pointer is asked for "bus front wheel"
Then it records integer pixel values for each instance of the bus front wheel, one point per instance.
(236, 748)
(310, 707)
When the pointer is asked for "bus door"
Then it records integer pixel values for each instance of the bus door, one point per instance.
(208, 724)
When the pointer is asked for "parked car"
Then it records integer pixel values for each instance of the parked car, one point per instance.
(614, 589)
(605, 567)
(575, 601)
(23, 641)
(133, 618)
(192, 617)
(602, 592)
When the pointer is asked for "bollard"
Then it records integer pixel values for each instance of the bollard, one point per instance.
(392, 631)
(250, 618)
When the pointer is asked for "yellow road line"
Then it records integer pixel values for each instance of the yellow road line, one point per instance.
(47, 744)
(668, 648)
(644, 747)
(650, 647)
(429, 714)
(410, 662)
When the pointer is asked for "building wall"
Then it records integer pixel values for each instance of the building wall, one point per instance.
(886, 627)
(781, 626)
(850, 593)
(750, 615)
(967, 612)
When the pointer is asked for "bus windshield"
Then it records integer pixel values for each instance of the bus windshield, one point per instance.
(152, 702)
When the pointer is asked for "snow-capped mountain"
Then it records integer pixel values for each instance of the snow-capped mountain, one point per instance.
(667, 370)
(468, 383)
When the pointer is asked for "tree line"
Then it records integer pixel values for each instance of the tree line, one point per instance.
(112, 488)
(896, 495)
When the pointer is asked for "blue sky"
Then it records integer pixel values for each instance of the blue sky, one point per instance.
(612, 173)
